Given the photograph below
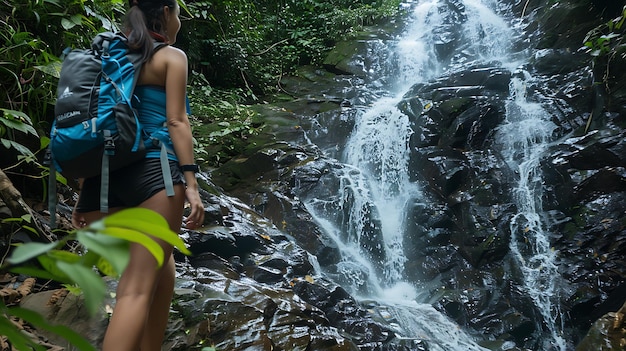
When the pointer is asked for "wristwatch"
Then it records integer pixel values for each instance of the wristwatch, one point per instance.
(190, 168)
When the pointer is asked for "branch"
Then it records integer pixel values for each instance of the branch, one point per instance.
(269, 48)
(12, 197)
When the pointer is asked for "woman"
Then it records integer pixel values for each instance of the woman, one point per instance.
(145, 291)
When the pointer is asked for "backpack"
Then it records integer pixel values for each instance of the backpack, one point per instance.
(96, 129)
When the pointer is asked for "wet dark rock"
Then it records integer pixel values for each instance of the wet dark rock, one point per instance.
(606, 334)
(444, 169)
(343, 310)
(264, 275)
(558, 61)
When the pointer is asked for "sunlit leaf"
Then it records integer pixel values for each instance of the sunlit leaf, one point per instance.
(136, 237)
(148, 222)
(17, 120)
(53, 69)
(65, 256)
(106, 268)
(112, 249)
(73, 289)
(67, 24)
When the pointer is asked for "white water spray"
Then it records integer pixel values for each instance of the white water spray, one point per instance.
(375, 188)
(525, 137)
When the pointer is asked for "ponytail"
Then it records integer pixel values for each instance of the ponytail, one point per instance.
(143, 21)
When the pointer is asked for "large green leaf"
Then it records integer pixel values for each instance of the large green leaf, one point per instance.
(148, 222)
(25, 252)
(113, 250)
(39, 322)
(89, 281)
(132, 236)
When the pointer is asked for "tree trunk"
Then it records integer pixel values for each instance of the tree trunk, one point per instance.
(11, 197)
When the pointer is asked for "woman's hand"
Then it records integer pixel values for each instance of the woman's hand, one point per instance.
(78, 219)
(196, 217)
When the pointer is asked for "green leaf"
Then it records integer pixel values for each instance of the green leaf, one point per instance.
(65, 256)
(17, 146)
(44, 142)
(73, 289)
(33, 272)
(52, 69)
(89, 259)
(113, 249)
(106, 268)
(30, 229)
(77, 19)
(51, 265)
(39, 322)
(91, 283)
(146, 221)
(132, 236)
(17, 120)
(18, 340)
(67, 24)
(25, 252)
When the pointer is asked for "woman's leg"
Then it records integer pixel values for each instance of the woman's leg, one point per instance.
(154, 331)
(134, 297)
(145, 291)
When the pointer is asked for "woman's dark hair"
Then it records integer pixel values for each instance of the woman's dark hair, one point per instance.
(144, 20)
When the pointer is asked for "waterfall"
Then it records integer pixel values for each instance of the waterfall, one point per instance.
(366, 219)
(525, 137)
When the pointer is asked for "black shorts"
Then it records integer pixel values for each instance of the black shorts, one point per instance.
(128, 186)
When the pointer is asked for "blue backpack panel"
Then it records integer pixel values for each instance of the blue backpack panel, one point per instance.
(96, 129)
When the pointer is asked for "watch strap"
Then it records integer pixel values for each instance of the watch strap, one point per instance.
(190, 168)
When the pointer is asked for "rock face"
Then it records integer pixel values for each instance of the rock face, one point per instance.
(459, 242)
(266, 276)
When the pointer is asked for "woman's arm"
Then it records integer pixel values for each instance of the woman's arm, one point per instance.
(180, 129)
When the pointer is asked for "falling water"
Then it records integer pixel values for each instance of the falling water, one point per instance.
(525, 137)
(374, 184)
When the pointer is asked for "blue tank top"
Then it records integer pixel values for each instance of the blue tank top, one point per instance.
(152, 116)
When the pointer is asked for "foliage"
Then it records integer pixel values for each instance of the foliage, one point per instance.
(20, 341)
(102, 249)
(12, 122)
(34, 34)
(243, 47)
(604, 39)
(603, 43)
(250, 45)
(221, 123)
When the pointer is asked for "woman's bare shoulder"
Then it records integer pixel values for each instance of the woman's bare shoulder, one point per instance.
(167, 59)
(170, 53)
